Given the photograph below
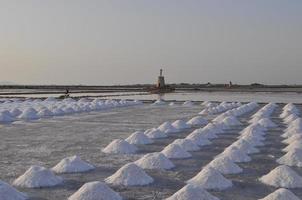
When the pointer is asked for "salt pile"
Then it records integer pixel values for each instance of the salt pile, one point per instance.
(198, 120)
(119, 146)
(175, 151)
(282, 176)
(231, 121)
(247, 146)
(295, 145)
(155, 133)
(188, 103)
(171, 104)
(225, 166)
(138, 137)
(267, 123)
(167, 127)
(180, 124)
(129, 175)
(7, 192)
(36, 177)
(15, 112)
(235, 154)
(192, 192)
(290, 118)
(210, 178)
(72, 164)
(187, 144)
(199, 139)
(95, 191)
(6, 117)
(281, 194)
(293, 138)
(28, 114)
(292, 158)
(158, 103)
(154, 161)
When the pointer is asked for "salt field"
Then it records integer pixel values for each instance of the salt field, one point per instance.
(133, 150)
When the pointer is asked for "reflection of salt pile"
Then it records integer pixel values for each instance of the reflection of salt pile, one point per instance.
(292, 158)
(187, 144)
(36, 177)
(210, 178)
(282, 176)
(7, 192)
(28, 114)
(154, 161)
(95, 191)
(198, 120)
(138, 137)
(72, 164)
(192, 192)
(188, 103)
(129, 175)
(225, 166)
(180, 124)
(175, 151)
(155, 133)
(119, 146)
(167, 127)
(281, 194)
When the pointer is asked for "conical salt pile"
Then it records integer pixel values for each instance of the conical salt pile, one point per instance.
(95, 191)
(129, 175)
(225, 166)
(235, 154)
(244, 144)
(180, 124)
(290, 118)
(295, 145)
(292, 158)
(198, 120)
(282, 176)
(167, 127)
(155, 160)
(28, 114)
(210, 178)
(281, 194)
(7, 192)
(72, 164)
(192, 192)
(155, 133)
(267, 123)
(187, 144)
(231, 121)
(119, 146)
(175, 151)
(199, 139)
(138, 137)
(293, 138)
(36, 177)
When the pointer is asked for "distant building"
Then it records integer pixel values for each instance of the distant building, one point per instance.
(161, 80)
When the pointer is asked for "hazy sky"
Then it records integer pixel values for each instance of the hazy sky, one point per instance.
(128, 41)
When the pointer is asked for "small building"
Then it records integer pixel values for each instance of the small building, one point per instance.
(161, 80)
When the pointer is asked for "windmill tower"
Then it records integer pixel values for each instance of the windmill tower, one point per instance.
(161, 80)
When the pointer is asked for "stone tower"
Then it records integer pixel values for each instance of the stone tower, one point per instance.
(161, 80)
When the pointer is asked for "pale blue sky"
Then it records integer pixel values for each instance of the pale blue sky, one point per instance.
(128, 41)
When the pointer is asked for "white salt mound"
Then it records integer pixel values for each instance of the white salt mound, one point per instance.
(28, 114)
(187, 144)
(231, 121)
(294, 145)
(235, 154)
(180, 124)
(119, 146)
(225, 166)
(293, 138)
(292, 158)
(282, 176)
(155, 160)
(210, 178)
(95, 191)
(198, 120)
(192, 192)
(267, 123)
(167, 127)
(72, 164)
(281, 194)
(129, 175)
(188, 103)
(175, 151)
(7, 192)
(36, 177)
(138, 137)
(155, 133)
(199, 139)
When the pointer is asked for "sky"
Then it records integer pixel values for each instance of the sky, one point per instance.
(105, 42)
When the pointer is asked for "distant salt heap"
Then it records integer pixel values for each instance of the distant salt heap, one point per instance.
(247, 146)
(198, 120)
(295, 145)
(235, 154)
(267, 123)
(95, 191)
(210, 178)
(206, 132)
(192, 192)
(180, 124)
(175, 151)
(172, 104)
(119, 146)
(155, 133)
(290, 118)
(187, 144)
(72, 164)
(158, 103)
(188, 103)
(198, 138)
(36, 177)
(45, 112)
(225, 166)
(281, 194)
(231, 121)
(167, 127)
(15, 112)
(138, 137)
(5, 117)
(282, 176)
(28, 114)
(155, 160)
(293, 138)
(129, 175)
(292, 158)
(7, 192)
